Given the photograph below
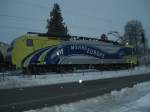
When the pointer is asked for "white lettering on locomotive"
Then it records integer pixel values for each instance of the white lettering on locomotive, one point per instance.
(88, 50)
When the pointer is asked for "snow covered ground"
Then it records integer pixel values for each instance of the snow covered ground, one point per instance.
(136, 99)
(20, 80)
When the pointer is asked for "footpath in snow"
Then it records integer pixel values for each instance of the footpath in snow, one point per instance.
(136, 99)
(20, 80)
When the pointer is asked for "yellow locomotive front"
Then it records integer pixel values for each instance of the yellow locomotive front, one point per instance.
(27, 44)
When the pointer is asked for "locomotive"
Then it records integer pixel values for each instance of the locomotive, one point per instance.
(36, 53)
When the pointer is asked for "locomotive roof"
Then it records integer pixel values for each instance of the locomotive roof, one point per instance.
(73, 38)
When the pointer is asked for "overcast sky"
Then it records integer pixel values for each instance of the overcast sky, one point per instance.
(83, 17)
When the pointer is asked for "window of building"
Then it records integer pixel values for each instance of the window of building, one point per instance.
(29, 42)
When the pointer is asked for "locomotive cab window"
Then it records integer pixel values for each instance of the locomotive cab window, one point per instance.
(29, 42)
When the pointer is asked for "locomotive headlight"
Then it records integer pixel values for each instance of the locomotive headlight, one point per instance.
(127, 43)
(80, 81)
(57, 53)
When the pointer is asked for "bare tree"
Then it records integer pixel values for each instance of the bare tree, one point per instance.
(135, 35)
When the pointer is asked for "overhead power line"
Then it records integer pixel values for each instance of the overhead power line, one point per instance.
(32, 4)
(18, 28)
(22, 18)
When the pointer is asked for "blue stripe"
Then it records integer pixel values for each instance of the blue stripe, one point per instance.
(84, 49)
(78, 49)
(37, 54)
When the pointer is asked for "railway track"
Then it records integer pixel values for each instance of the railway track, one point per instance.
(21, 99)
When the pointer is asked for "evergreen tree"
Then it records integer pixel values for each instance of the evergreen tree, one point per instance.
(55, 24)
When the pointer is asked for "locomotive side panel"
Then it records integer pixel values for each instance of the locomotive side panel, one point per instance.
(70, 55)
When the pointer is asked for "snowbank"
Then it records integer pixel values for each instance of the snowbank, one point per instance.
(134, 99)
(17, 81)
